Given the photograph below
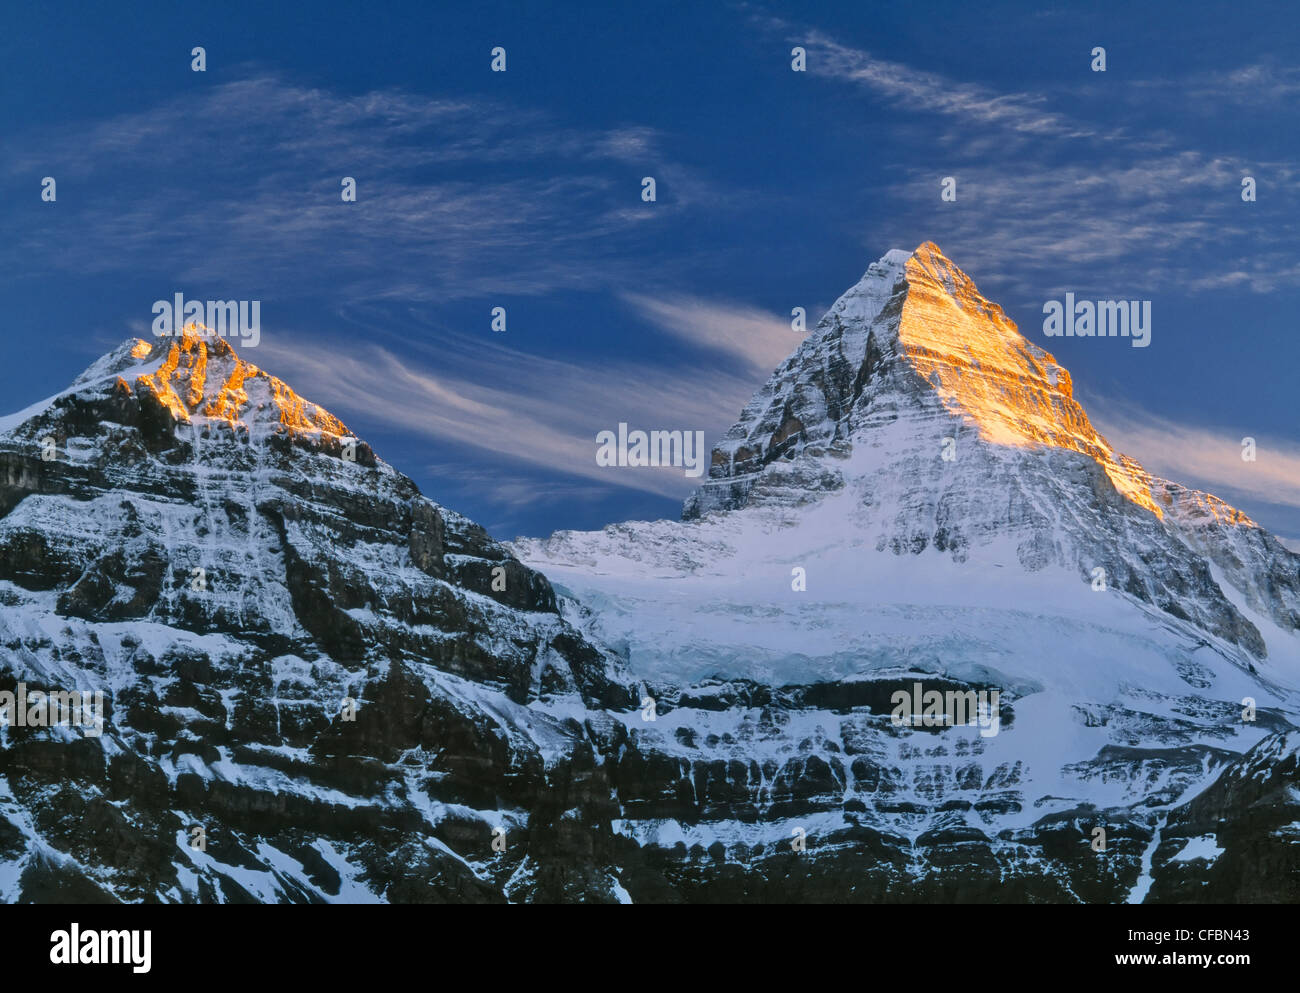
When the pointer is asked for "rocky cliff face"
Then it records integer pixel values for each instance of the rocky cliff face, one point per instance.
(347, 692)
(914, 359)
(229, 566)
(915, 496)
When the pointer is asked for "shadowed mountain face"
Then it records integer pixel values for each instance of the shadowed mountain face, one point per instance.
(228, 565)
(913, 359)
(915, 497)
(320, 685)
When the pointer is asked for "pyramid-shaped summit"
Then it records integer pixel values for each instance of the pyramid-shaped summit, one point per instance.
(914, 330)
(328, 670)
(915, 498)
(916, 419)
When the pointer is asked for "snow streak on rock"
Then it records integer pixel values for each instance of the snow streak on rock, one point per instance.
(220, 557)
(959, 522)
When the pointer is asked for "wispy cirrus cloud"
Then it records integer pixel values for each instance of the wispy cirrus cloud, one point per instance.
(920, 90)
(1132, 220)
(456, 197)
(1206, 457)
(1041, 189)
(760, 340)
(1258, 84)
(512, 407)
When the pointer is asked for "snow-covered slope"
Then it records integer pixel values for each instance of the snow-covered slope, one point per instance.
(698, 710)
(914, 495)
(235, 572)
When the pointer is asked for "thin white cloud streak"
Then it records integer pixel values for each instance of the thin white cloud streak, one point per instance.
(442, 211)
(263, 116)
(918, 90)
(1207, 458)
(1259, 84)
(1137, 219)
(518, 490)
(1023, 209)
(514, 407)
(759, 339)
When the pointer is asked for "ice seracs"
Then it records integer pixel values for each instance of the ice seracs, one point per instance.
(367, 692)
(951, 508)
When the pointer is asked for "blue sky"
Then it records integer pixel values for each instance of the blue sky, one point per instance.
(775, 189)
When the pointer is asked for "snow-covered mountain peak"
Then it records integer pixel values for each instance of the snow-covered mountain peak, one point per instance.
(276, 623)
(984, 370)
(200, 378)
(914, 337)
(132, 352)
(915, 419)
(197, 381)
(914, 498)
